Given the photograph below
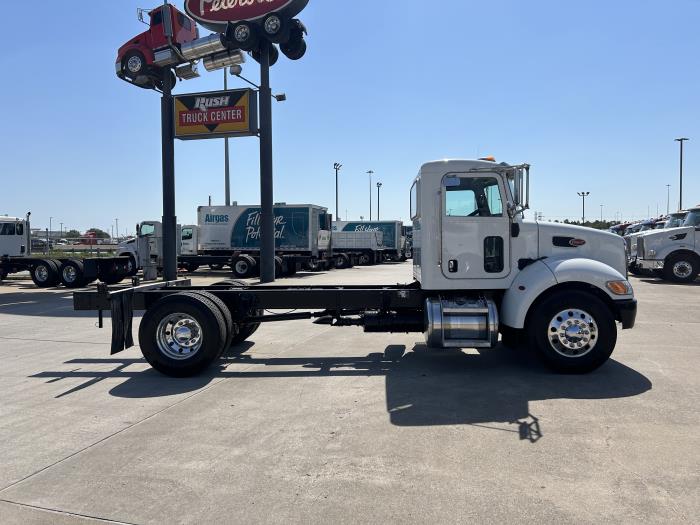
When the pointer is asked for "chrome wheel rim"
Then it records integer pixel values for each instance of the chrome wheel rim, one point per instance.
(134, 64)
(242, 33)
(42, 273)
(69, 274)
(273, 25)
(682, 269)
(572, 333)
(179, 336)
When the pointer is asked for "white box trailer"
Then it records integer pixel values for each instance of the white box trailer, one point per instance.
(392, 231)
(364, 247)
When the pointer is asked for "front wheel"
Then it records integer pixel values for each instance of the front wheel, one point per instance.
(574, 331)
(134, 64)
(681, 268)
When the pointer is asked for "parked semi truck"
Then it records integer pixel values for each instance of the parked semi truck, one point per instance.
(479, 269)
(673, 253)
(16, 256)
(393, 238)
(672, 221)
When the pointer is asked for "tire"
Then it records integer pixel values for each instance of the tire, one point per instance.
(283, 31)
(190, 267)
(587, 331)
(342, 261)
(243, 35)
(231, 329)
(72, 274)
(313, 265)
(681, 268)
(158, 83)
(202, 327)
(134, 64)
(44, 273)
(241, 267)
(365, 260)
(243, 331)
(132, 266)
(634, 269)
(279, 267)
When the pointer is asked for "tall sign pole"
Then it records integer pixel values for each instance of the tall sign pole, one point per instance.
(267, 219)
(227, 170)
(169, 220)
(680, 198)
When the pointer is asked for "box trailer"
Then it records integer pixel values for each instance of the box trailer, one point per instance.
(393, 239)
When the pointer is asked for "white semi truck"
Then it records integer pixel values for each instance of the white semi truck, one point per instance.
(673, 253)
(16, 256)
(479, 269)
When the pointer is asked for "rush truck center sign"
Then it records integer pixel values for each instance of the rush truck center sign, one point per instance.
(216, 114)
(215, 14)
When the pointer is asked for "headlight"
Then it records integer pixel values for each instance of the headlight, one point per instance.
(619, 287)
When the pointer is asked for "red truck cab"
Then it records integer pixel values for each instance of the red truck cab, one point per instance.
(136, 60)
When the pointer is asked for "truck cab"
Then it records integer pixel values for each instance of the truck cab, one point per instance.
(673, 253)
(14, 237)
(137, 59)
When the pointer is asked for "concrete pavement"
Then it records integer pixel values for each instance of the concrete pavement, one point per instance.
(319, 424)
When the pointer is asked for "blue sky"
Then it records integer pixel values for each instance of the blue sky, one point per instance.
(592, 94)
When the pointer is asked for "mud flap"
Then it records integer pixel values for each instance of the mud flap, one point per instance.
(122, 321)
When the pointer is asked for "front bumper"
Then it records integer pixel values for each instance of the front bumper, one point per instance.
(650, 264)
(626, 312)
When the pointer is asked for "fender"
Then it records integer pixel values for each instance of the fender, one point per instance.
(537, 278)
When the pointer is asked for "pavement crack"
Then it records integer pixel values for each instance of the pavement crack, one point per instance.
(66, 513)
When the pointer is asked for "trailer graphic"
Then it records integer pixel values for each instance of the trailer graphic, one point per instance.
(291, 229)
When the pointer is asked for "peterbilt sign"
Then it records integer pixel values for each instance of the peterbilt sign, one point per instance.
(215, 14)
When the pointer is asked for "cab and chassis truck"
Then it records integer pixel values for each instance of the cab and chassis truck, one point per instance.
(16, 256)
(480, 269)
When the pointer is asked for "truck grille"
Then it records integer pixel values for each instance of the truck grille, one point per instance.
(640, 248)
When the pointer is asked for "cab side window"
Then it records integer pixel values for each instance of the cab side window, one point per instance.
(187, 234)
(474, 197)
(20, 228)
(7, 228)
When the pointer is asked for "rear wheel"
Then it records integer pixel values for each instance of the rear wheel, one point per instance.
(342, 261)
(574, 331)
(231, 329)
(45, 273)
(242, 267)
(182, 334)
(243, 331)
(681, 268)
(72, 274)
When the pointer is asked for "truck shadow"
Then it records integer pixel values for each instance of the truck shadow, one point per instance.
(422, 387)
(651, 280)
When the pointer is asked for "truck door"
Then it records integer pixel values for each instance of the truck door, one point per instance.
(475, 229)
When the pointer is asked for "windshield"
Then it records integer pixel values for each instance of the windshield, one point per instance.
(675, 221)
(693, 218)
(147, 229)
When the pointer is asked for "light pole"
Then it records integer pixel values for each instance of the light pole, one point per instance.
(583, 195)
(337, 167)
(681, 140)
(379, 185)
(61, 235)
(117, 222)
(370, 173)
(601, 213)
(668, 199)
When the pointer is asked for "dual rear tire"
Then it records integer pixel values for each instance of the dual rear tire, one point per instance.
(184, 333)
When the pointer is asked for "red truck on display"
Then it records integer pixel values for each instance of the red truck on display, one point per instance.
(142, 59)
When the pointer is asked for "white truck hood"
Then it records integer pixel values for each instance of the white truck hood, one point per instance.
(569, 241)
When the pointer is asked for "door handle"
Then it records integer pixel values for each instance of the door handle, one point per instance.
(452, 266)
